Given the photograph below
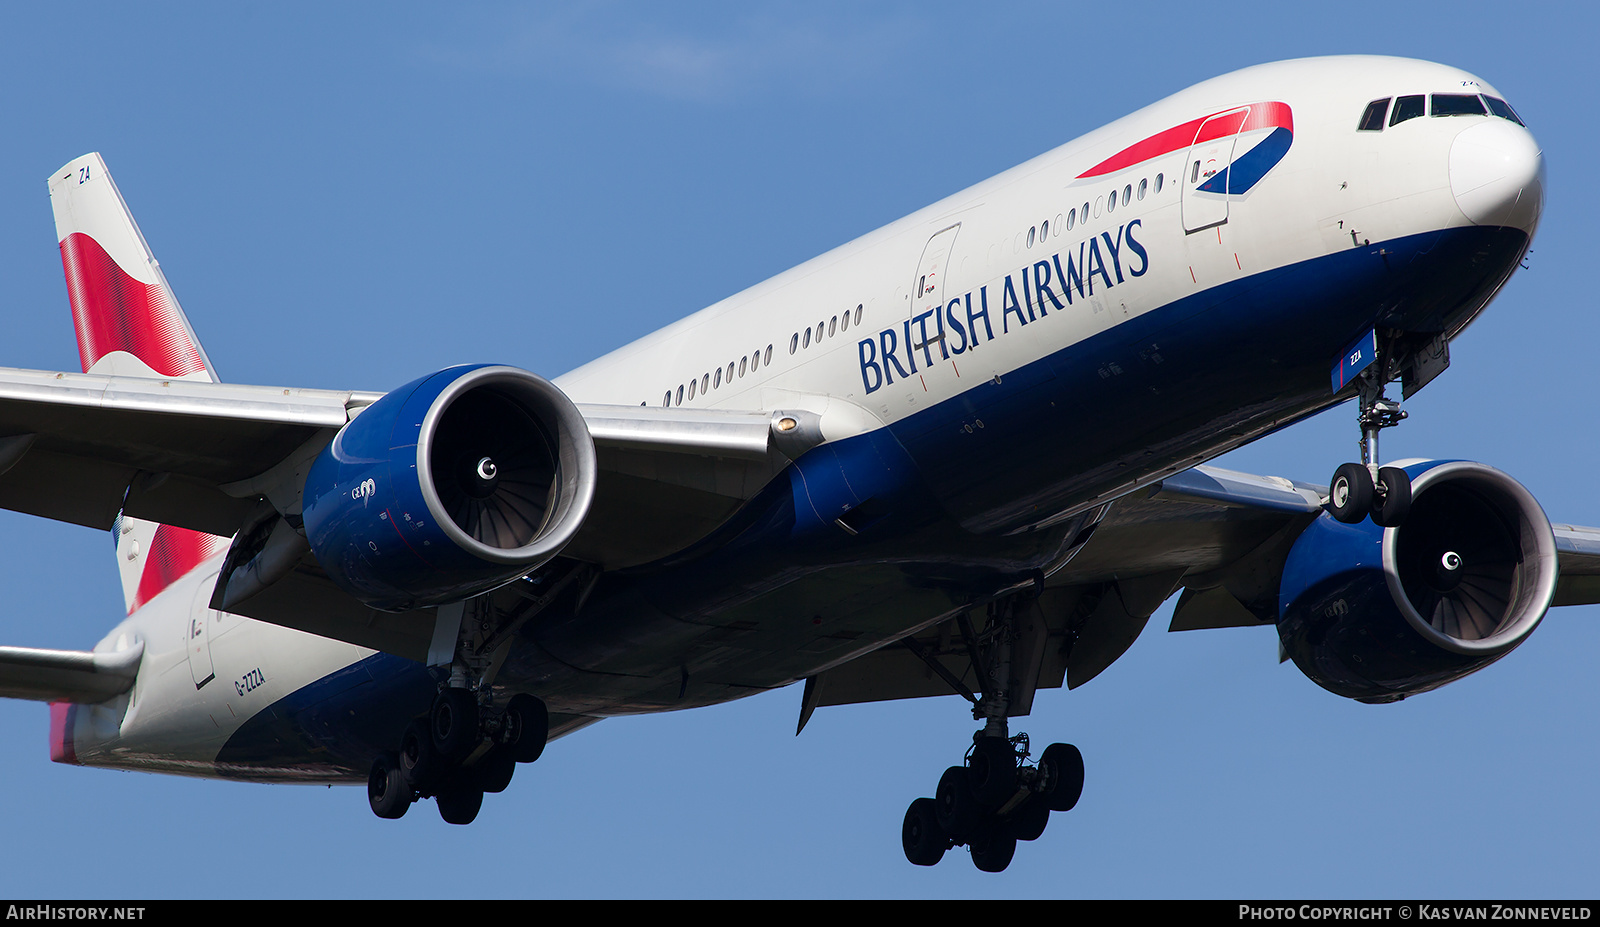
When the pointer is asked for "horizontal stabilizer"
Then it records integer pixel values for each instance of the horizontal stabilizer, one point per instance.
(67, 675)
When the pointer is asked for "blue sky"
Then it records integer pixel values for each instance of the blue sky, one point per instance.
(348, 197)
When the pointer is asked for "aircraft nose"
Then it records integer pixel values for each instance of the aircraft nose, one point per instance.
(1497, 175)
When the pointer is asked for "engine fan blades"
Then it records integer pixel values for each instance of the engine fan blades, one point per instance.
(1462, 564)
(494, 468)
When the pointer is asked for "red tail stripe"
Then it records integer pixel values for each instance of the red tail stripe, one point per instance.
(62, 749)
(114, 312)
(173, 553)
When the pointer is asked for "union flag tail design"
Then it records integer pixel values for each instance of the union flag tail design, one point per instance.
(129, 323)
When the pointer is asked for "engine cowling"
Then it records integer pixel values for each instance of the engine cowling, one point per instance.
(452, 485)
(1377, 614)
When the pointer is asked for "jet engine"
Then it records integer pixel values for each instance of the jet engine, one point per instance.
(1377, 614)
(450, 486)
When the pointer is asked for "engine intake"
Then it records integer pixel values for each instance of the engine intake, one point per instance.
(450, 486)
(1377, 614)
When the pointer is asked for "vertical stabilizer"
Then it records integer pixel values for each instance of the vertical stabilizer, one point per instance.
(129, 323)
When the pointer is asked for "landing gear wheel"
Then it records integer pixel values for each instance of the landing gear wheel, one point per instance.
(1350, 493)
(1028, 821)
(419, 762)
(493, 772)
(955, 807)
(993, 772)
(920, 836)
(388, 792)
(454, 720)
(1064, 764)
(993, 854)
(459, 802)
(1392, 500)
(527, 727)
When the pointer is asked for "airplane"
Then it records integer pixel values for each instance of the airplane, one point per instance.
(961, 455)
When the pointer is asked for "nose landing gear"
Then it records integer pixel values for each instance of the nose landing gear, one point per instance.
(1359, 490)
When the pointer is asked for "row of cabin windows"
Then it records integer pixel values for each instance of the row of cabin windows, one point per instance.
(705, 383)
(1127, 195)
(833, 326)
(1443, 104)
(803, 339)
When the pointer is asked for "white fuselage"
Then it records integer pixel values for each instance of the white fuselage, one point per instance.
(831, 335)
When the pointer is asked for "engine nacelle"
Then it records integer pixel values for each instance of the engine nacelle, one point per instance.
(450, 486)
(1376, 614)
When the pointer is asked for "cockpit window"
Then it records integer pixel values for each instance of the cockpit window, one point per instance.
(1502, 109)
(1408, 108)
(1457, 104)
(1372, 119)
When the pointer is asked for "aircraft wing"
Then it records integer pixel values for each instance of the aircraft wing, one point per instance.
(1219, 536)
(199, 455)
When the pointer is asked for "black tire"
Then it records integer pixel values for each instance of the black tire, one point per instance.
(920, 836)
(526, 728)
(1028, 822)
(1350, 493)
(454, 723)
(493, 772)
(459, 802)
(1392, 499)
(419, 762)
(993, 771)
(1064, 763)
(993, 854)
(388, 792)
(955, 807)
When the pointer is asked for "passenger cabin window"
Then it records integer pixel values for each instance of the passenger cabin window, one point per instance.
(1408, 108)
(1502, 109)
(1458, 104)
(1372, 119)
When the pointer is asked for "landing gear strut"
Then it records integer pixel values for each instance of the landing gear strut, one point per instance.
(994, 798)
(1359, 490)
(464, 746)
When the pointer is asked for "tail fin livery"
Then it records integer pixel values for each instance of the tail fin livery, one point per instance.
(129, 323)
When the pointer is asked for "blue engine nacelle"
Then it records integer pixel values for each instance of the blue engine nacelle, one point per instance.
(1376, 614)
(450, 486)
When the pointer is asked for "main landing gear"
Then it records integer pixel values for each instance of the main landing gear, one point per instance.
(1361, 489)
(992, 801)
(456, 753)
(994, 798)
